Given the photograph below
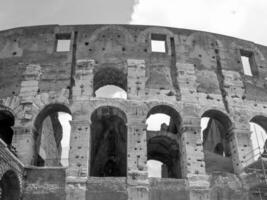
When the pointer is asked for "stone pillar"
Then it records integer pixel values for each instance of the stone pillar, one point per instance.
(136, 78)
(137, 176)
(79, 154)
(241, 148)
(30, 84)
(192, 148)
(24, 143)
(84, 76)
(193, 165)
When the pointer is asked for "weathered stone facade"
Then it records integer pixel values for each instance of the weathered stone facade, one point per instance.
(198, 75)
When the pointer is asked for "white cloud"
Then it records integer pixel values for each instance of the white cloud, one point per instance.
(239, 18)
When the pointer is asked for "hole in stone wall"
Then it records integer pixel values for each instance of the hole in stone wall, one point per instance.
(110, 83)
(164, 157)
(6, 123)
(204, 124)
(215, 127)
(63, 42)
(52, 127)
(258, 127)
(9, 186)
(163, 126)
(108, 142)
(248, 63)
(158, 43)
(111, 91)
(163, 118)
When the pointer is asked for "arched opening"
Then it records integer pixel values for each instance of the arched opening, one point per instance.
(111, 91)
(163, 125)
(52, 131)
(215, 127)
(166, 152)
(163, 118)
(9, 186)
(258, 127)
(110, 83)
(6, 122)
(108, 142)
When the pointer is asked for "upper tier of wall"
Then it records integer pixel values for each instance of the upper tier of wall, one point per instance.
(214, 59)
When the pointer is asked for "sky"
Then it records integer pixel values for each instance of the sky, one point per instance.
(244, 19)
(14, 13)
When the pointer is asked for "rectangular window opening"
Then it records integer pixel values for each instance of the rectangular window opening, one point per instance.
(248, 62)
(63, 42)
(158, 43)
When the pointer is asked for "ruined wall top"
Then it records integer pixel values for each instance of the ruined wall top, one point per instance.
(192, 62)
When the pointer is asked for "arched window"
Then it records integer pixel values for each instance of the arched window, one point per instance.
(215, 127)
(163, 125)
(52, 130)
(111, 91)
(258, 127)
(108, 142)
(163, 118)
(6, 123)
(110, 82)
(165, 151)
(10, 186)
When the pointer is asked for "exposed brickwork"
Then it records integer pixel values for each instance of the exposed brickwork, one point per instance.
(199, 75)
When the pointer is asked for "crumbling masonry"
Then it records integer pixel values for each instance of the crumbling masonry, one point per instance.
(196, 74)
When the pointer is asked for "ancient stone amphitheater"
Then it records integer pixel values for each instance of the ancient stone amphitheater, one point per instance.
(47, 70)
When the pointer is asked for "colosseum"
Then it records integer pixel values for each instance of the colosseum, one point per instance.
(52, 69)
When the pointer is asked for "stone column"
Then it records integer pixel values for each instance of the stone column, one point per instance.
(84, 76)
(192, 148)
(24, 142)
(136, 78)
(79, 159)
(193, 165)
(137, 176)
(241, 148)
(79, 154)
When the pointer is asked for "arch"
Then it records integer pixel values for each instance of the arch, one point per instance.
(10, 186)
(260, 120)
(108, 142)
(111, 91)
(117, 28)
(258, 128)
(166, 151)
(51, 108)
(108, 111)
(158, 30)
(199, 34)
(216, 143)
(48, 132)
(109, 76)
(7, 120)
(219, 116)
(175, 118)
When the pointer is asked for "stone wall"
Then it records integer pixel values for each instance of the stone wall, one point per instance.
(198, 75)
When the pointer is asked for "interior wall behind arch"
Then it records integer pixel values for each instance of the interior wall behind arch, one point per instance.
(48, 144)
